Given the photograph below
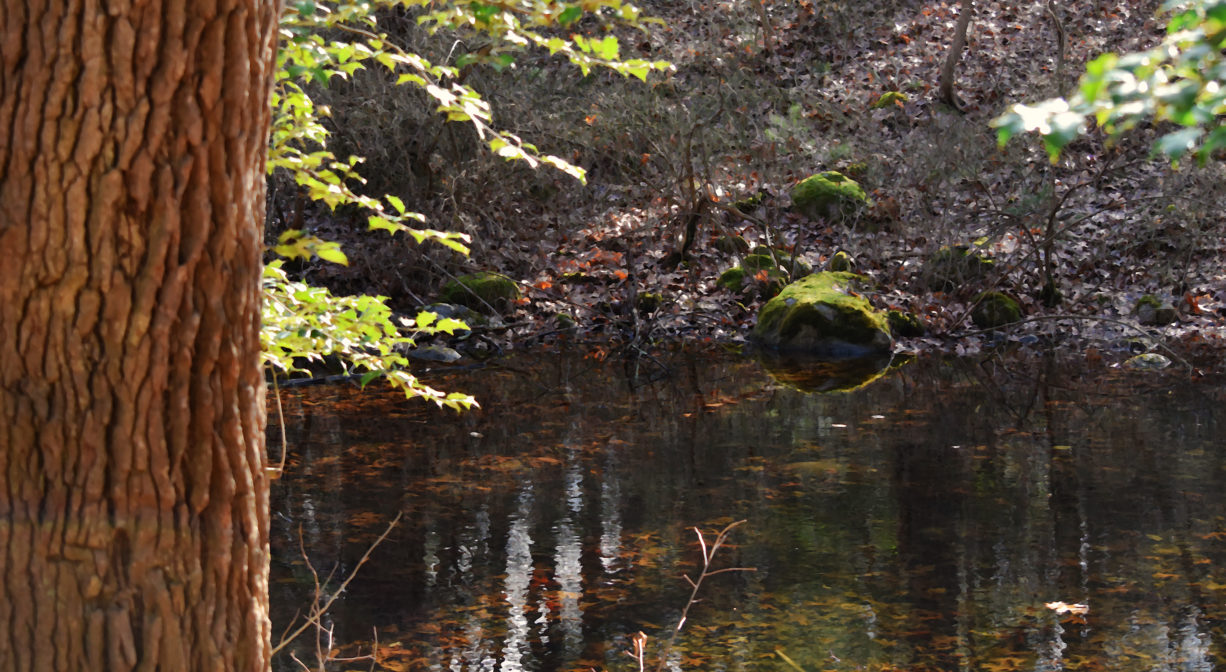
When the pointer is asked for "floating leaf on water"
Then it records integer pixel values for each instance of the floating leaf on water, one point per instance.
(1066, 608)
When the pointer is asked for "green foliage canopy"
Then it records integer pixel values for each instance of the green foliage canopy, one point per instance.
(1182, 80)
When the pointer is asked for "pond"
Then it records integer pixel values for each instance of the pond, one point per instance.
(999, 513)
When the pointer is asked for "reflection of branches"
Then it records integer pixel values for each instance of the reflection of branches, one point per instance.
(323, 602)
(708, 554)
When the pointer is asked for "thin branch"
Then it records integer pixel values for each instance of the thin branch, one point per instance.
(319, 612)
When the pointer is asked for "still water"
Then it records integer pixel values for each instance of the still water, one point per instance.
(1018, 513)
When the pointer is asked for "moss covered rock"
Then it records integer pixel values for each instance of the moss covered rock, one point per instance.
(732, 244)
(732, 279)
(648, 302)
(758, 262)
(739, 280)
(1148, 360)
(822, 314)
(890, 99)
(1153, 311)
(841, 262)
(953, 266)
(739, 277)
(830, 195)
(782, 259)
(1050, 295)
(995, 309)
(751, 202)
(480, 289)
(904, 325)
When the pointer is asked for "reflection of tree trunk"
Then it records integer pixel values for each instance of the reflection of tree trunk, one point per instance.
(945, 91)
(133, 500)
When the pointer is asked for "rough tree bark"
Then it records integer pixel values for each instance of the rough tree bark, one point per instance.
(133, 506)
(945, 88)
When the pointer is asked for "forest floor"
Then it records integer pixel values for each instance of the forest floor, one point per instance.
(751, 110)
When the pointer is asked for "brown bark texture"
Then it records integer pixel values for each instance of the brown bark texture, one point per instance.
(133, 505)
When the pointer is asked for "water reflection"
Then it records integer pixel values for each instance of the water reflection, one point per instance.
(519, 579)
(923, 522)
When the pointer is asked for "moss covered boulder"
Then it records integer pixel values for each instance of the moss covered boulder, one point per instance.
(757, 262)
(890, 99)
(1153, 311)
(648, 302)
(777, 264)
(1148, 360)
(830, 195)
(738, 280)
(732, 244)
(478, 290)
(822, 314)
(732, 279)
(953, 266)
(904, 325)
(781, 259)
(841, 261)
(995, 309)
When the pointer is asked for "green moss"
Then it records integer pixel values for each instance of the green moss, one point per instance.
(995, 309)
(750, 203)
(732, 244)
(738, 279)
(1153, 311)
(756, 262)
(732, 279)
(1148, 360)
(830, 195)
(577, 278)
(905, 325)
(648, 302)
(479, 289)
(890, 99)
(951, 267)
(783, 259)
(856, 170)
(841, 262)
(822, 314)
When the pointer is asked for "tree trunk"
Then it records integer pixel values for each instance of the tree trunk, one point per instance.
(945, 89)
(134, 503)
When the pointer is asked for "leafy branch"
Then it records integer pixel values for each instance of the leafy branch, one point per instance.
(321, 41)
(1179, 81)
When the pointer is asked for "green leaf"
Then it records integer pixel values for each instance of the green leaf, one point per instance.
(482, 12)
(607, 48)
(1178, 143)
(378, 223)
(638, 69)
(570, 15)
(332, 252)
(425, 319)
(1214, 142)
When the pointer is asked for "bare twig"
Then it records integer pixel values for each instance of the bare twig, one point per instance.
(317, 611)
(708, 554)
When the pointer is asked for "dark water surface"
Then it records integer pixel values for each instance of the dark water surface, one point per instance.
(995, 514)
